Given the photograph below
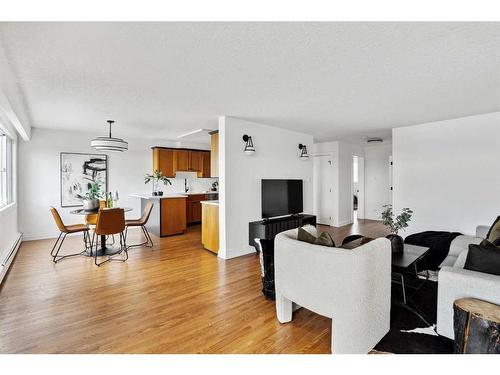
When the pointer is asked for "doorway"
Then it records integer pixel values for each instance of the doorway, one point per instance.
(323, 180)
(358, 188)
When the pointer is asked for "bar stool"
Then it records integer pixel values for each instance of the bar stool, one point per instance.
(141, 222)
(64, 230)
(110, 221)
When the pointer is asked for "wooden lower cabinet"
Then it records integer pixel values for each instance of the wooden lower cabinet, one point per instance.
(210, 227)
(193, 207)
(173, 216)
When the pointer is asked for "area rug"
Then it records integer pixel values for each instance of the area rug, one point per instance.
(409, 334)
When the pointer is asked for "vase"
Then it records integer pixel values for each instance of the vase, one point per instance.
(90, 204)
(397, 243)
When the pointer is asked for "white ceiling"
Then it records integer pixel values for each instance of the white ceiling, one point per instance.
(332, 80)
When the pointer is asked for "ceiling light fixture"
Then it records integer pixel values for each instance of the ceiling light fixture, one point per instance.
(109, 143)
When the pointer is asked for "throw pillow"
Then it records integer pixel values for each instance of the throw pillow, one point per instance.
(483, 259)
(304, 236)
(324, 239)
(494, 232)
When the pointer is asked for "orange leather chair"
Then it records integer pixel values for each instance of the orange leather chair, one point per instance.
(141, 222)
(64, 230)
(110, 221)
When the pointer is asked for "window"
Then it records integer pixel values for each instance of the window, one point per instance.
(5, 170)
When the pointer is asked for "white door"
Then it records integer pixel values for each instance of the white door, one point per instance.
(323, 189)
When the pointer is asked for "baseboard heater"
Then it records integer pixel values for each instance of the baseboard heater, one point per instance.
(7, 261)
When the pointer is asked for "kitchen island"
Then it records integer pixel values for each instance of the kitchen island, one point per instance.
(173, 211)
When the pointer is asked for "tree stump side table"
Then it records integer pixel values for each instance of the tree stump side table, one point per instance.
(477, 326)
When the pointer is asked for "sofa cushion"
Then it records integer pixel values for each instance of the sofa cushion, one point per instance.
(324, 239)
(494, 232)
(484, 259)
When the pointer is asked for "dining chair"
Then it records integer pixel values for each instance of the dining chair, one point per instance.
(110, 221)
(141, 222)
(91, 220)
(64, 230)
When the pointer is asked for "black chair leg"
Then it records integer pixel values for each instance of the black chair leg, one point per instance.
(56, 258)
(146, 233)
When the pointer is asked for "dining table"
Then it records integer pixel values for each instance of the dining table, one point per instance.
(104, 248)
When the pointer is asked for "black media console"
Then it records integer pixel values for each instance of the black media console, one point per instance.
(265, 231)
(268, 229)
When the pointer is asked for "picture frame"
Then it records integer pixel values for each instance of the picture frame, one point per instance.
(76, 171)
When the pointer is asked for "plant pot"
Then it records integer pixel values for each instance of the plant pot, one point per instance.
(397, 243)
(160, 193)
(155, 193)
(90, 204)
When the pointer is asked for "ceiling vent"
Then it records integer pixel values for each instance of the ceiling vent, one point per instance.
(374, 140)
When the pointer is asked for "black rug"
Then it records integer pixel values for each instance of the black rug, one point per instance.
(423, 340)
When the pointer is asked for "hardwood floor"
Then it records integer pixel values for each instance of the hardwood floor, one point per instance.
(174, 298)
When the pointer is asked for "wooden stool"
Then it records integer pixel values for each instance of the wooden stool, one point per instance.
(477, 326)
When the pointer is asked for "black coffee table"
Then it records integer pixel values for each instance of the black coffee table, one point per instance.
(405, 264)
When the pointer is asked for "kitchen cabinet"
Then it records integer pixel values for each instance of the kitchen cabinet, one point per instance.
(196, 162)
(168, 216)
(206, 164)
(193, 207)
(181, 160)
(210, 225)
(214, 155)
(163, 161)
(171, 160)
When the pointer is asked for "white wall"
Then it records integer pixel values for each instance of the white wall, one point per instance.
(447, 172)
(377, 185)
(39, 180)
(276, 156)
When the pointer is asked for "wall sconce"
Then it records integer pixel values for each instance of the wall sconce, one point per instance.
(303, 152)
(249, 147)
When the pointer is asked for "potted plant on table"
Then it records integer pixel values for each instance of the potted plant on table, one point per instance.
(91, 198)
(395, 224)
(157, 177)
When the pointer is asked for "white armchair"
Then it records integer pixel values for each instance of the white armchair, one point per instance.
(353, 287)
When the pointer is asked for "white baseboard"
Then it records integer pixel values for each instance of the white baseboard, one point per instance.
(11, 254)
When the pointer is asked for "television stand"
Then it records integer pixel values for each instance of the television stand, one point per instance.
(265, 230)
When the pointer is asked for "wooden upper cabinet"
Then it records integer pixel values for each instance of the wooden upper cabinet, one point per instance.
(181, 160)
(163, 160)
(196, 161)
(214, 155)
(206, 164)
(171, 160)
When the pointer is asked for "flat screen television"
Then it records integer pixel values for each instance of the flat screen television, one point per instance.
(281, 197)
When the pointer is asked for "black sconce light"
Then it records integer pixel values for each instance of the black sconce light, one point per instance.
(249, 147)
(303, 152)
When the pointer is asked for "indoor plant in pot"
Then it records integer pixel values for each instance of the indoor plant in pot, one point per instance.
(156, 178)
(91, 198)
(395, 224)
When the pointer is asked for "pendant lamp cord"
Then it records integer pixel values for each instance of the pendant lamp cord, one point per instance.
(110, 123)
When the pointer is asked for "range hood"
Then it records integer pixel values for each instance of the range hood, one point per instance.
(189, 175)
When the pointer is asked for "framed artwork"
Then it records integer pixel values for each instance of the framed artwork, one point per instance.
(77, 172)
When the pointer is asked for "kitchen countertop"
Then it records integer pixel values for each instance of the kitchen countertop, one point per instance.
(214, 202)
(170, 195)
